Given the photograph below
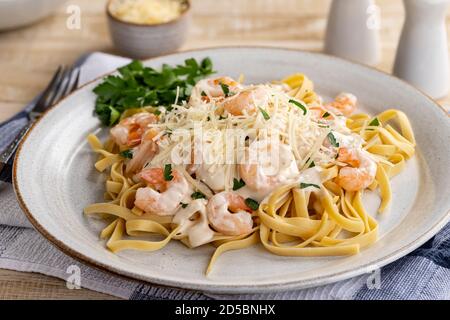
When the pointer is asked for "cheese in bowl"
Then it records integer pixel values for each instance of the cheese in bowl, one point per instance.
(147, 28)
(146, 11)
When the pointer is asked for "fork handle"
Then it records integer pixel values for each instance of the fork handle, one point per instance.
(6, 156)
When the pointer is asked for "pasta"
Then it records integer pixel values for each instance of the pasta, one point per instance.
(311, 206)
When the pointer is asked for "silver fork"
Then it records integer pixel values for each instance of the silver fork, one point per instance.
(64, 81)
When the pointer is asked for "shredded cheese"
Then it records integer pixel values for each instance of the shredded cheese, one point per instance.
(146, 11)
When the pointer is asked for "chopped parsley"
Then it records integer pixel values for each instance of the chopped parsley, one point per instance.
(137, 86)
(326, 115)
(168, 172)
(300, 105)
(127, 154)
(307, 185)
(168, 132)
(312, 164)
(238, 184)
(225, 89)
(184, 205)
(204, 94)
(332, 139)
(252, 204)
(374, 123)
(198, 195)
(265, 114)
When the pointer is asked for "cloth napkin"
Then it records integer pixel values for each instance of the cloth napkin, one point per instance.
(423, 274)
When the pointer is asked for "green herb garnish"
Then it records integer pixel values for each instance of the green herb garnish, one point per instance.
(252, 204)
(198, 195)
(307, 185)
(168, 172)
(332, 139)
(127, 154)
(374, 123)
(184, 205)
(204, 94)
(326, 115)
(238, 184)
(168, 132)
(312, 164)
(265, 114)
(137, 86)
(225, 89)
(300, 105)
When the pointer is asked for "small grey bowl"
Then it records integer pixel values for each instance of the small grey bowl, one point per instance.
(149, 40)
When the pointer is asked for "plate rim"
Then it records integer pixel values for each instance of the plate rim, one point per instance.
(229, 288)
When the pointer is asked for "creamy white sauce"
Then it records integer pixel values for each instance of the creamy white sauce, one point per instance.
(212, 176)
(257, 195)
(198, 230)
(311, 176)
(348, 140)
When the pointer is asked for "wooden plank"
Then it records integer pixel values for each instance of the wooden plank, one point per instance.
(20, 285)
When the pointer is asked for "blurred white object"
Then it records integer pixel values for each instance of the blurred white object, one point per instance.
(422, 54)
(18, 13)
(353, 31)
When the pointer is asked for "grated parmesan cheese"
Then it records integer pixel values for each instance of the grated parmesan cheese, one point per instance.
(146, 11)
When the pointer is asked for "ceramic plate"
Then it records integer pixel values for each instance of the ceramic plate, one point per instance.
(54, 178)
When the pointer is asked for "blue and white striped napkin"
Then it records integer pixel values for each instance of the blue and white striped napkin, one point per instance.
(423, 274)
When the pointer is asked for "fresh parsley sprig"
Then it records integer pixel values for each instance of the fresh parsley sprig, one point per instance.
(138, 86)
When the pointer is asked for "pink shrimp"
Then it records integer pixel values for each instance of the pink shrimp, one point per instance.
(208, 89)
(144, 152)
(161, 197)
(344, 103)
(246, 101)
(361, 172)
(228, 214)
(267, 165)
(129, 131)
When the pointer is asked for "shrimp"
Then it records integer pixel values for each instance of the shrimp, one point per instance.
(228, 214)
(362, 172)
(161, 197)
(246, 101)
(129, 131)
(208, 89)
(272, 167)
(144, 152)
(344, 103)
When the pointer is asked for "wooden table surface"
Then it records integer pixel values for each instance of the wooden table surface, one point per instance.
(29, 56)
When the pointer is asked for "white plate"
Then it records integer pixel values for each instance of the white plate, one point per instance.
(54, 178)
